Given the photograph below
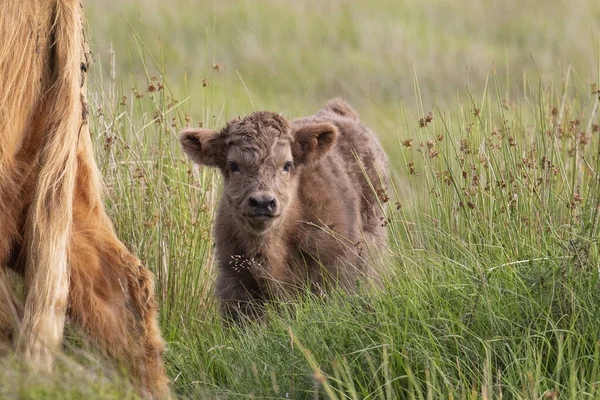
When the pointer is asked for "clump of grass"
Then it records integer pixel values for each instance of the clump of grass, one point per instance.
(493, 222)
(82, 374)
(513, 182)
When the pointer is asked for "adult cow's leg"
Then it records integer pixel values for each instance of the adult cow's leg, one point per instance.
(112, 301)
(56, 116)
(8, 231)
(9, 313)
(111, 293)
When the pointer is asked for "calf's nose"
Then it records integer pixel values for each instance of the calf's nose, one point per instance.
(263, 204)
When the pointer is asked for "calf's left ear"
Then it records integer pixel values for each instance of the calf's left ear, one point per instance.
(312, 142)
(202, 146)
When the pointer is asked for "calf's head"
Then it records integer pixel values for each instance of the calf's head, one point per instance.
(260, 157)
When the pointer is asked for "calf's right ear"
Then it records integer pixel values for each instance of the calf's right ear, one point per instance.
(202, 146)
(312, 142)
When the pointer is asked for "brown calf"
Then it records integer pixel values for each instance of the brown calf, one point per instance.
(299, 204)
(53, 228)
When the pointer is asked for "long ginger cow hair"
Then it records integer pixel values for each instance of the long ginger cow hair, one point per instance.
(54, 231)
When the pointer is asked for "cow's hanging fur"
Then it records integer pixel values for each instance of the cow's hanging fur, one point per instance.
(53, 228)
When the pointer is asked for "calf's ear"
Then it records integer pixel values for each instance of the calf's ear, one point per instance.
(202, 146)
(312, 142)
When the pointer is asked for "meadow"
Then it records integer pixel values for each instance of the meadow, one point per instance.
(489, 114)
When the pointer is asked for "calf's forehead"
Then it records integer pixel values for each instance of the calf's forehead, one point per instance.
(259, 137)
(261, 153)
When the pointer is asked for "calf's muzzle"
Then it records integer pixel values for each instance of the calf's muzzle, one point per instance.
(262, 204)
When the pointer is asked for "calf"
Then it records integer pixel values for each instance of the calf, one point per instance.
(300, 204)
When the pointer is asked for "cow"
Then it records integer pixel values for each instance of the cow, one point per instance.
(54, 231)
(302, 205)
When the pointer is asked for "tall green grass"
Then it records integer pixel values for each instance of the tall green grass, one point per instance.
(294, 54)
(493, 226)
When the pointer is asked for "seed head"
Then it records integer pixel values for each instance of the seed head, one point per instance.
(433, 153)
(426, 120)
(137, 94)
(382, 195)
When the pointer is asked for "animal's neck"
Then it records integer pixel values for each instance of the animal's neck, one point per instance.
(272, 240)
(268, 254)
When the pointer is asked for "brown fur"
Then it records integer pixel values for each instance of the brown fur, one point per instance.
(324, 211)
(53, 228)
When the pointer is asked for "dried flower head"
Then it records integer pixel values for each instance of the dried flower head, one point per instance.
(382, 195)
(465, 146)
(137, 94)
(423, 122)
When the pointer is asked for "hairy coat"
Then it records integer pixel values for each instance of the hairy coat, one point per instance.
(299, 206)
(54, 231)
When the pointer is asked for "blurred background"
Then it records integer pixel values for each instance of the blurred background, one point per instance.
(291, 56)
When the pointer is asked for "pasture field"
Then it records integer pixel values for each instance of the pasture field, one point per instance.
(489, 114)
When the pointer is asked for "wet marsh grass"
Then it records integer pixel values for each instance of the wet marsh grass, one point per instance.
(492, 215)
(493, 221)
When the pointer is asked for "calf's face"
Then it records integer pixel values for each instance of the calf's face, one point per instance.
(260, 157)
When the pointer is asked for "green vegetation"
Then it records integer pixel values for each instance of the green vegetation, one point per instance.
(493, 216)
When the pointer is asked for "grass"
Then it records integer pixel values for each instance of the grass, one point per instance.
(493, 217)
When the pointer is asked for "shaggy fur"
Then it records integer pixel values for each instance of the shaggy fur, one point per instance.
(53, 228)
(299, 206)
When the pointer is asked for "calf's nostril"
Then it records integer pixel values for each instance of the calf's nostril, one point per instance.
(253, 202)
(271, 203)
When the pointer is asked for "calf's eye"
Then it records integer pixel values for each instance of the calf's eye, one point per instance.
(233, 167)
(287, 166)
